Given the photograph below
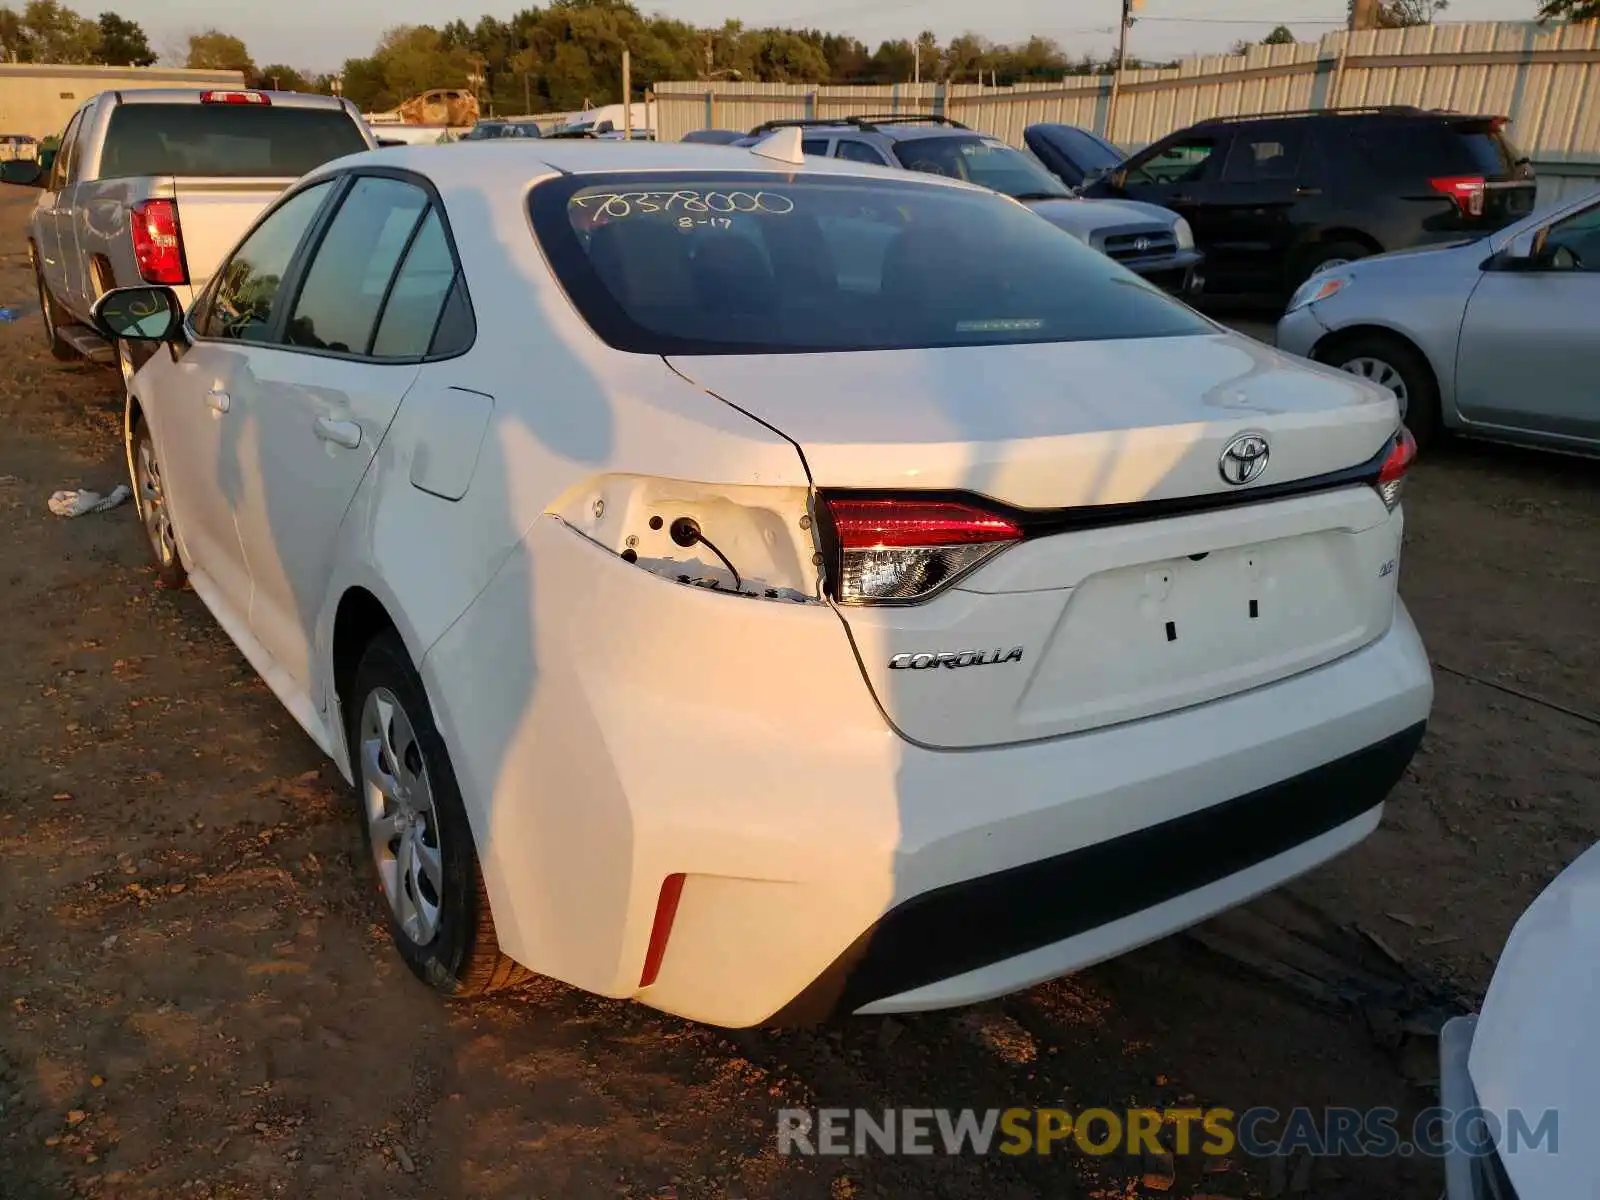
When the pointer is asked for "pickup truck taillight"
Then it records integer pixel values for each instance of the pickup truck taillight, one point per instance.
(158, 242)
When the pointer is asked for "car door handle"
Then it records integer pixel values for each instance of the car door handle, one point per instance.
(341, 433)
(1308, 191)
(217, 400)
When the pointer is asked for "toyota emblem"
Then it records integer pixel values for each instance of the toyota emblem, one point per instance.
(1244, 458)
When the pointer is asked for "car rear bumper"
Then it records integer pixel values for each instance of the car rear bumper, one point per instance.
(645, 730)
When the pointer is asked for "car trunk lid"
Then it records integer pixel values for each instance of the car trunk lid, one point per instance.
(1146, 580)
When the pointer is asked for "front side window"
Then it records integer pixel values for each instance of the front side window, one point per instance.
(249, 294)
(1574, 244)
(349, 275)
(816, 146)
(989, 164)
(1180, 162)
(755, 263)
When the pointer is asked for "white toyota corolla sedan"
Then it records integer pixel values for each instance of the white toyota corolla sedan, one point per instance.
(765, 586)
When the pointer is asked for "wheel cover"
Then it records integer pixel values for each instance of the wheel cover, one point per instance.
(1381, 373)
(397, 800)
(153, 505)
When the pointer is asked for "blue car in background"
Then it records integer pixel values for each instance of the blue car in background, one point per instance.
(1073, 155)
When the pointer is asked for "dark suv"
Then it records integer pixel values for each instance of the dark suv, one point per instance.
(1273, 199)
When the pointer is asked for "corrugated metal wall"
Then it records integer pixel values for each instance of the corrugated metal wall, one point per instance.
(40, 98)
(1545, 78)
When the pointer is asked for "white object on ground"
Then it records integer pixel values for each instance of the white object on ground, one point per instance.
(76, 504)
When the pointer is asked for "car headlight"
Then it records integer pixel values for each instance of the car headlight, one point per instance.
(1318, 287)
(1184, 234)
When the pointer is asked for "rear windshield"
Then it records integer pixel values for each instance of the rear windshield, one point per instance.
(993, 165)
(1486, 148)
(224, 139)
(740, 263)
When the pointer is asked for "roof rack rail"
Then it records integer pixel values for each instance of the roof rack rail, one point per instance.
(1385, 110)
(867, 122)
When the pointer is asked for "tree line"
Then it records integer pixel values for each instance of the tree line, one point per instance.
(567, 55)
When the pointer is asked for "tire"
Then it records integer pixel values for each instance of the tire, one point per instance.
(1323, 255)
(1392, 362)
(149, 489)
(130, 357)
(438, 918)
(49, 314)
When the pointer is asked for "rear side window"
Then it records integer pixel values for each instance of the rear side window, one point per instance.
(1435, 148)
(349, 277)
(418, 293)
(817, 146)
(986, 163)
(858, 152)
(1267, 153)
(224, 140)
(736, 264)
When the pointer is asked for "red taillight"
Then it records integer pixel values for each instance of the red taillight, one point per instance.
(158, 242)
(661, 929)
(906, 551)
(259, 99)
(1466, 190)
(863, 524)
(1392, 475)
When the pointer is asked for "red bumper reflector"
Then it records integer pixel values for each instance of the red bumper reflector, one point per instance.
(666, 911)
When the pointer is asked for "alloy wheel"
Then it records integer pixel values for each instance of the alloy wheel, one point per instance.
(153, 505)
(402, 823)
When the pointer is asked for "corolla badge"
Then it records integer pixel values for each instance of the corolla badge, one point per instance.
(1244, 458)
(954, 658)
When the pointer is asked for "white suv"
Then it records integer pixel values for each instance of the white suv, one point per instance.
(762, 586)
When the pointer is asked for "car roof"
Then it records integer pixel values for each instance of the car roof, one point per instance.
(192, 96)
(511, 161)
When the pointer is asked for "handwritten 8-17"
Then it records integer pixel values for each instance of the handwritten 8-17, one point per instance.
(627, 204)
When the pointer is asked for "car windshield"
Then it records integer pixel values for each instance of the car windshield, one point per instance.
(225, 139)
(989, 164)
(1093, 154)
(741, 263)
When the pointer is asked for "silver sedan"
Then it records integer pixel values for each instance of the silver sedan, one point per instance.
(1496, 338)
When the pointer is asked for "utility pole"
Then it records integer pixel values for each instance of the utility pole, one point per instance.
(1116, 73)
(916, 62)
(627, 96)
(1364, 15)
(527, 93)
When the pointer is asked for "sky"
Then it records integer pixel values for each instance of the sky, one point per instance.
(319, 35)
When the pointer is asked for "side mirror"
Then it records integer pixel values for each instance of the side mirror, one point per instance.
(138, 314)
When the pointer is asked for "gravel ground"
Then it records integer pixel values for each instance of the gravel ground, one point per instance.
(199, 1001)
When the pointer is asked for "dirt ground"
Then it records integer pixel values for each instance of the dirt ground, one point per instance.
(198, 1000)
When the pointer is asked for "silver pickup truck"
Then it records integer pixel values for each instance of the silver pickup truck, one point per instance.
(156, 186)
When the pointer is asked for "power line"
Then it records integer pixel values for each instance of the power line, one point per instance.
(1244, 20)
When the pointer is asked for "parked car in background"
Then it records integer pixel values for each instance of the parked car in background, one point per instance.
(485, 131)
(1150, 241)
(155, 185)
(1529, 1059)
(713, 137)
(1273, 199)
(1496, 338)
(1076, 614)
(1073, 155)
